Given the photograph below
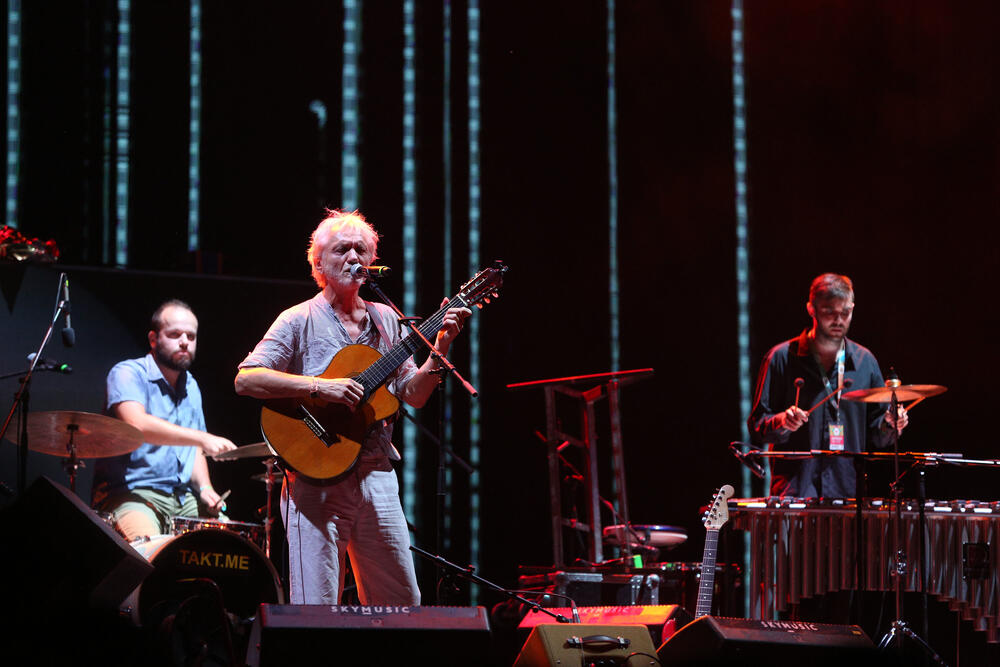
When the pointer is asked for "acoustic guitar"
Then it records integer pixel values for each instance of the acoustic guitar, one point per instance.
(322, 440)
(716, 517)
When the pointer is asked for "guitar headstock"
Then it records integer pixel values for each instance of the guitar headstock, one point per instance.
(718, 512)
(483, 285)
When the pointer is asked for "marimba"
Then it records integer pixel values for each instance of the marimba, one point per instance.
(806, 547)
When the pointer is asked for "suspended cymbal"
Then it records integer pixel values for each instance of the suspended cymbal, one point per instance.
(905, 392)
(276, 476)
(92, 435)
(255, 450)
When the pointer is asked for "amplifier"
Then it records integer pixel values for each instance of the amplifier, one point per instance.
(368, 635)
(661, 620)
(711, 640)
(563, 644)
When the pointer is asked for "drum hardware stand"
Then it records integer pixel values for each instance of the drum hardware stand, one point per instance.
(72, 464)
(269, 463)
(443, 369)
(22, 397)
(215, 594)
(899, 629)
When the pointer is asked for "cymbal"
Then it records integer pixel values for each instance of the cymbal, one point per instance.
(94, 436)
(655, 536)
(905, 392)
(257, 449)
(262, 477)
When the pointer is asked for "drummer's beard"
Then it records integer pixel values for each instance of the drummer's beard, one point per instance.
(178, 362)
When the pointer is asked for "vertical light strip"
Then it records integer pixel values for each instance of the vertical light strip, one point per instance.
(122, 121)
(194, 134)
(349, 166)
(449, 287)
(13, 107)
(409, 231)
(108, 76)
(742, 256)
(613, 293)
(474, 262)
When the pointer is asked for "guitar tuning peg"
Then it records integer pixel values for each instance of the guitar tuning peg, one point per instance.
(486, 299)
(496, 295)
(479, 306)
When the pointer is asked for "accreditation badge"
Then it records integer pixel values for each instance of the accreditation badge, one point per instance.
(836, 437)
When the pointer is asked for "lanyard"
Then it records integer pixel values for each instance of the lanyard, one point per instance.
(841, 355)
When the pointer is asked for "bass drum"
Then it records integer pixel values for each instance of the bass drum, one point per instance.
(198, 563)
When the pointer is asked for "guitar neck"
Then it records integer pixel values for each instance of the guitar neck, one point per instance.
(706, 586)
(375, 375)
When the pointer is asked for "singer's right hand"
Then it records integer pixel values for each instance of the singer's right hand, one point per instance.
(340, 390)
(792, 419)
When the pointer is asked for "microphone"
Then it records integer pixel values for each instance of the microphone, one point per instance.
(361, 271)
(745, 459)
(50, 365)
(68, 335)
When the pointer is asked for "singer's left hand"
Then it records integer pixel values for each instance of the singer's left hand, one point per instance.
(900, 423)
(452, 325)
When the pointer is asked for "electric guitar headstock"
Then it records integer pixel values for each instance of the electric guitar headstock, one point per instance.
(483, 286)
(717, 513)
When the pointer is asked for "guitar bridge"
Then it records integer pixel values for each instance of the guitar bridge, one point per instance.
(314, 425)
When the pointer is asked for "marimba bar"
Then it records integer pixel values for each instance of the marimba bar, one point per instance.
(806, 547)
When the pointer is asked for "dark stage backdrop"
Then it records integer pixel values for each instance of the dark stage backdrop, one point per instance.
(872, 142)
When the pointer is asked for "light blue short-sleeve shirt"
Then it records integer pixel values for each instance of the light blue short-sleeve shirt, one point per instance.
(164, 468)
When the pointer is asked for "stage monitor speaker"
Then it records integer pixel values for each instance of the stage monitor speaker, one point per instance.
(552, 644)
(61, 557)
(710, 640)
(369, 635)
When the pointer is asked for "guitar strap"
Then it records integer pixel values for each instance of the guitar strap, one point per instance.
(373, 316)
(384, 340)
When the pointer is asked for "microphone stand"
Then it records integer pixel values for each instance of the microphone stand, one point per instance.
(22, 398)
(444, 368)
(469, 573)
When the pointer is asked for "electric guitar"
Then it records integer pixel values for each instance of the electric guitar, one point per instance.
(716, 517)
(322, 440)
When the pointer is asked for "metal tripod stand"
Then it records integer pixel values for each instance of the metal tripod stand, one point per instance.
(899, 629)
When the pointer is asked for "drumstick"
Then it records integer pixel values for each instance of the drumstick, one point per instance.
(798, 387)
(220, 503)
(910, 406)
(845, 383)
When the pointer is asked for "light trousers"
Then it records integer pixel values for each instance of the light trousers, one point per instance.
(359, 515)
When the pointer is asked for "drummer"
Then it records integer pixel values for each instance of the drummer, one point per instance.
(826, 362)
(167, 475)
